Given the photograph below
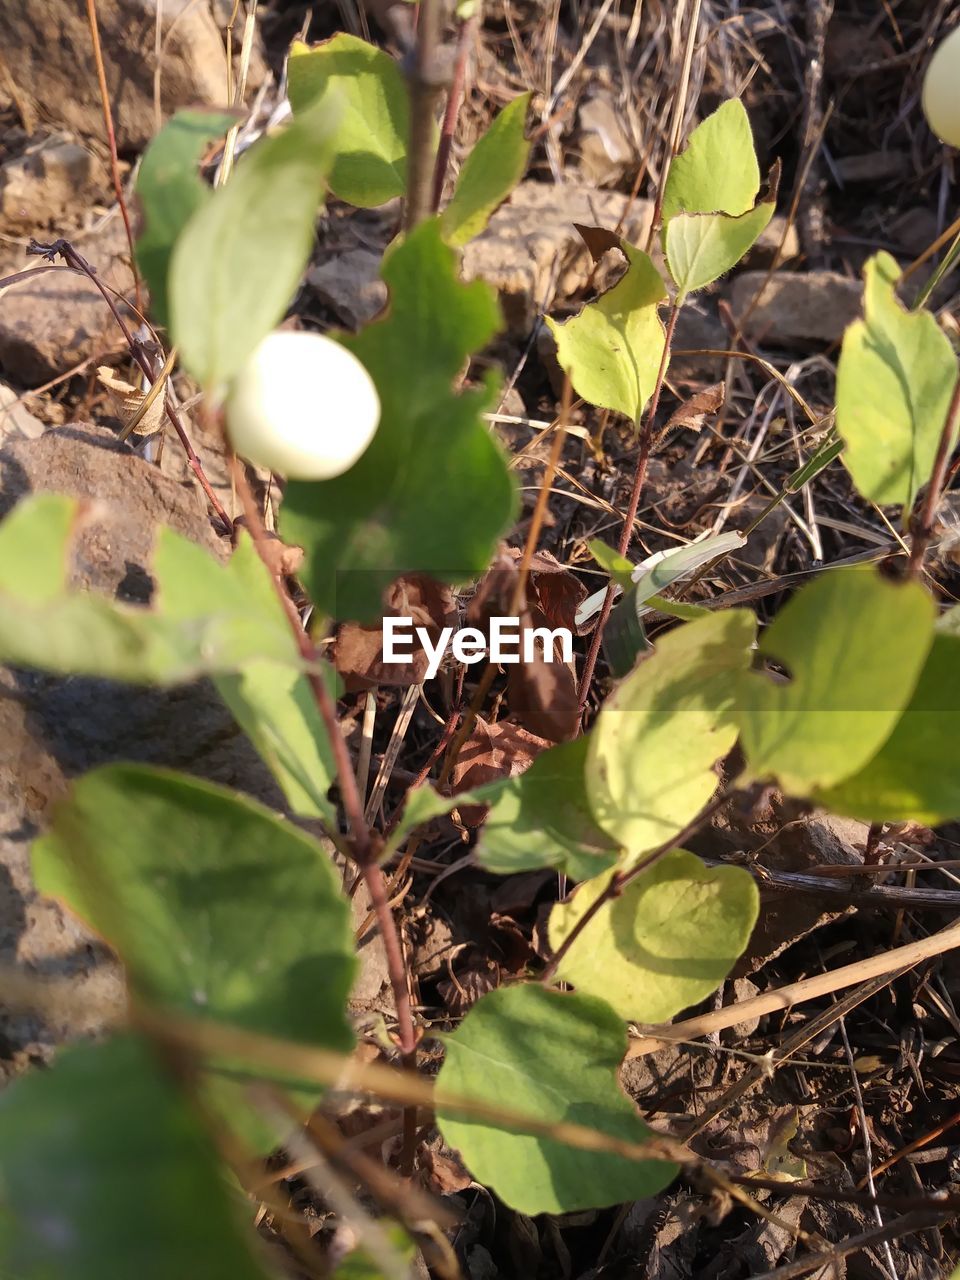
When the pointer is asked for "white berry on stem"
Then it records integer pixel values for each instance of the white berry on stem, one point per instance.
(303, 406)
(941, 90)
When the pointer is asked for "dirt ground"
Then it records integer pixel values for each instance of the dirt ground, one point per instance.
(861, 1085)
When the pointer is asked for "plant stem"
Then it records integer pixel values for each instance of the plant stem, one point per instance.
(112, 144)
(64, 249)
(647, 437)
(425, 85)
(454, 101)
(364, 847)
(927, 517)
(621, 879)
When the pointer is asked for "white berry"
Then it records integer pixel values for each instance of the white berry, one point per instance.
(302, 405)
(941, 90)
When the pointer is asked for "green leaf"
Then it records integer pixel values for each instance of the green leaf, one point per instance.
(612, 350)
(658, 736)
(210, 618)
(542, 818)
(106, 1171)
(34, 542)
(490, 172)
(702, 247)
(217, 908)
(271, 700)
(914, 776)
(432, 493)
(667, 941)
(238, 261)
(709, 216)
(854, 644)
(370, 141)
(717, 172)
(170, 191)
(554, 1058)
(895, 379)
(48, 626)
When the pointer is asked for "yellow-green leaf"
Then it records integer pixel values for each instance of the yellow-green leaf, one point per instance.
(667, 941)
(895, 378)
(490, 172)
(612, 350)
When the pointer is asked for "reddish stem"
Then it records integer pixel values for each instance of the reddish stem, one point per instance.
(454, 102)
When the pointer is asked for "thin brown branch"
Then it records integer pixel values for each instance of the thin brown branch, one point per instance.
(112, 145)
(426, 83)
(927, 518)
(454, 101)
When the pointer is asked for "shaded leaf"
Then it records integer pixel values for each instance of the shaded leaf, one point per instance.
(105, 1170)
(613, 348)
(854, 644)
(370, 140)
(701, 247)
(542, 818)
(237, 263)
(666, 942)
(656, 740)
(553, 1057)
(170, 191)
(217, 908)
(895, 378)
(495, 165)
(392, 513)
(914, 775)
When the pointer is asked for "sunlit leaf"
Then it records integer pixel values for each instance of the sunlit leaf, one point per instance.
(613, 349)
(432, 493)
(370, 141)
(710, 218)
(650, 767)
(666, 942)
(495, 165)
(170, 191)
(854, 644)
(47, 625)
(553, 1057)
(895, 379)
(271, 700)
(717, 171)
(105, 1170)
(238, 261)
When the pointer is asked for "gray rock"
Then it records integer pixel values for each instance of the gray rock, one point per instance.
(350, 285)
(531, 252)
(795, 309)
(53, 322)
(46, 46)
(604, 149)
(37, 187)
(16, 420)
